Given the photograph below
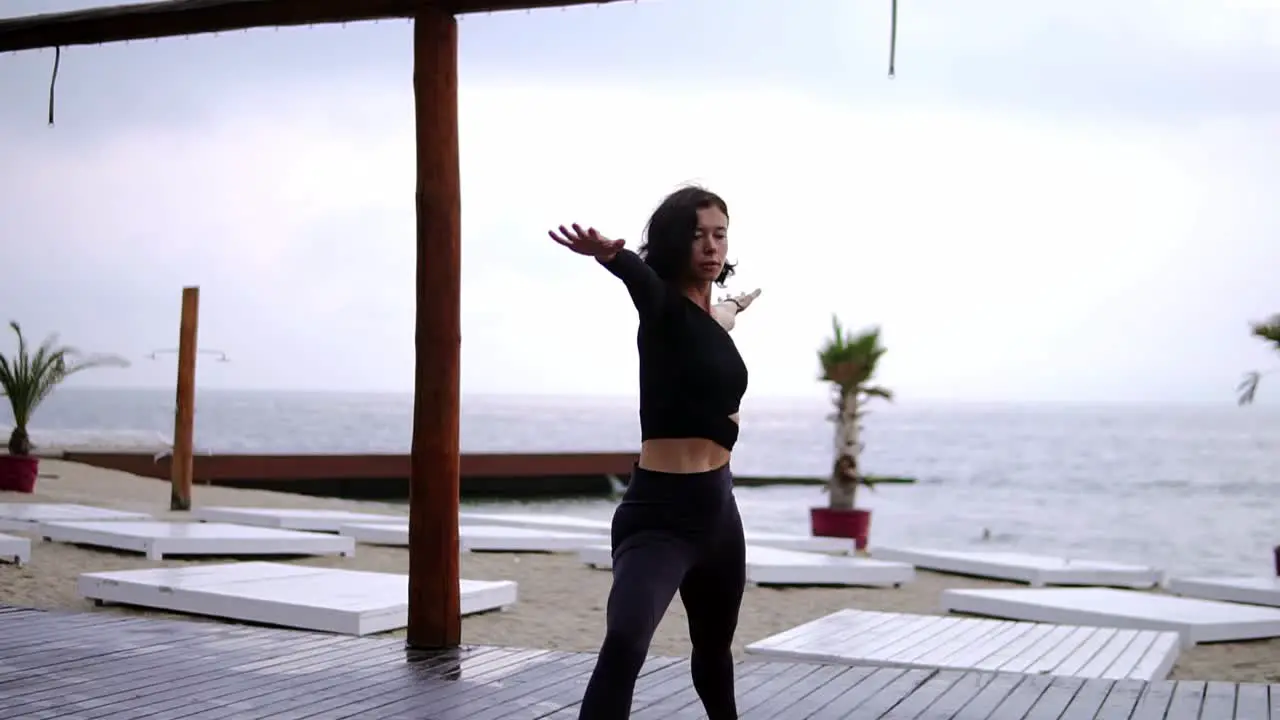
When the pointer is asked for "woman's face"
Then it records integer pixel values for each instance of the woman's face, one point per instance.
(710, 244)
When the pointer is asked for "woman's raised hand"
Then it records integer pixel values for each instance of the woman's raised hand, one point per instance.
(587, 242)
(726, 310)
(743, 301)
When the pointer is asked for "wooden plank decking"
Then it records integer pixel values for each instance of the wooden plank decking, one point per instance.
(76, 666)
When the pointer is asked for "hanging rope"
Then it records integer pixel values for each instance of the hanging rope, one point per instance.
(53, 82)
(893, 37)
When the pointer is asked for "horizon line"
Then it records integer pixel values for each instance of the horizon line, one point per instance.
(634, 396)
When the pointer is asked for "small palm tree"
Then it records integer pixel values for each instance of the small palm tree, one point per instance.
(28, 378)
(849, 363)
(1268, 330)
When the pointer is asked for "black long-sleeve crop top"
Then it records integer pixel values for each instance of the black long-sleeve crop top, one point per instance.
(692, 377)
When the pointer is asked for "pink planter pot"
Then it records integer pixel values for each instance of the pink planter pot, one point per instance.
(852, 524)
(18, 473)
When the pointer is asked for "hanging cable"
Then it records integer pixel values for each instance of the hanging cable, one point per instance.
(893, 37)
(53, 82)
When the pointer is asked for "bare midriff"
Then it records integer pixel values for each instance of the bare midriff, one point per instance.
(683, 456)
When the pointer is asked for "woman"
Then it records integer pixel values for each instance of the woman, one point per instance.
(677, 528)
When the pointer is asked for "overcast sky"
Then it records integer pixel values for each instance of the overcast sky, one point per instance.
(1053, 200)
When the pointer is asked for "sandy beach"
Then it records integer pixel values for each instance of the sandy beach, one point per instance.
(561, 601)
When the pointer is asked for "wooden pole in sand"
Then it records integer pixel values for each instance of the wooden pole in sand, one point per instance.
(435, 605)
(182, 466)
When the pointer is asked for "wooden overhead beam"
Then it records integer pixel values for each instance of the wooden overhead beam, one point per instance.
(173, 18)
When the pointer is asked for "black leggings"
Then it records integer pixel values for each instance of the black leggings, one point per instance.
(672, 532)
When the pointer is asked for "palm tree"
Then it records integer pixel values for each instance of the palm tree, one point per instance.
(849, 363)
(1268, 330)
(28, 378)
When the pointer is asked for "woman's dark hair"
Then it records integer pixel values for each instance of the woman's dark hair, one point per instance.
(668, 236)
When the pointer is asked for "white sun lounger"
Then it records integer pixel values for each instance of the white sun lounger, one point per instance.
(1035, 570)
(476, 538)
(157, 539)
(496, 538)
(15, 549)
(558, 523)
(772, 566)
(26, 517)
(1257, 590)
(393, 534)
(1197, 621)
(324, 599)
(568, 523)
(290, 518)
(856, 637)
(800, 543)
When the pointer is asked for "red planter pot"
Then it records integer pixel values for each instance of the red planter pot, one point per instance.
(852, 524)
(18, 473)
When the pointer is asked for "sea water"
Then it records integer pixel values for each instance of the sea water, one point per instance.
(1193, 489)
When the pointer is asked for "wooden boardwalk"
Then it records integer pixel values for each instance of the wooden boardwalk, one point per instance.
(76, 666)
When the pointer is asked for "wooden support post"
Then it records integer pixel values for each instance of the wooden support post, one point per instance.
(182, 466)
(435, 612)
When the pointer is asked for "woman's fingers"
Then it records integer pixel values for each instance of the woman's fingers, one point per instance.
(585, 242)
(563, 241)
(744, 300)
(567, 237)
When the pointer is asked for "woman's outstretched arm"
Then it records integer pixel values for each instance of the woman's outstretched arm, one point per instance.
(647, 290)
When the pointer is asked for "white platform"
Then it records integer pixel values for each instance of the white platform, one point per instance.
(856, 637)
(772, 566)
(1196, 621)
(350, 602)
(496, 538)
(15, 549)
(377, 533)
(568, 523)
(290, 518)
(25, 517)
(157, 539)
(1035, 570)
(801, 543)
(1249, 590)
(558, 523)
(477, 538)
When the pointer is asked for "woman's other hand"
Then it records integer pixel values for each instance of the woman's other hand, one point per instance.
(741, 302)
